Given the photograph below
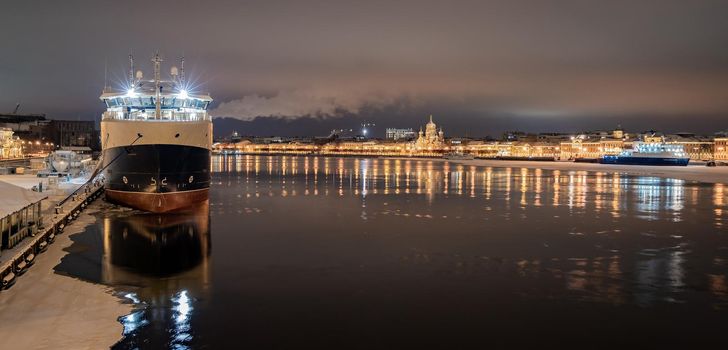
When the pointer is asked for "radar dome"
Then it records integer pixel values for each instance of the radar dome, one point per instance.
(139, 74)
(173, 71)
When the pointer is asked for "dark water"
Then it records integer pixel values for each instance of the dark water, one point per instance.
(301, 252)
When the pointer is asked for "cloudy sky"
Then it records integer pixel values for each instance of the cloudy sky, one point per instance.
(304, 67)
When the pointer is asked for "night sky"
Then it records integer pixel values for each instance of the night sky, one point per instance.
(304, 67)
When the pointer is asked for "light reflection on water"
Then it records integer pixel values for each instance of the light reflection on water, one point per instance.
(620, 207)
(652, 196)
(167, 256)
(316, 250)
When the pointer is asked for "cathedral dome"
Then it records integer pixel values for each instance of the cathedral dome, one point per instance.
(431, 123)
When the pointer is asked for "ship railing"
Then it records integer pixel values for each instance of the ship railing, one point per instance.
(166, 115)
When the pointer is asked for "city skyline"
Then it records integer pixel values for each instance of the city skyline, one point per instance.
(270, 127)
(482, 68)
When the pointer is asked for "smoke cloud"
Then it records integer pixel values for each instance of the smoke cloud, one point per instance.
(298, 103)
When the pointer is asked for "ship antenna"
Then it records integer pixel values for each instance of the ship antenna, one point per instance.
(131, 70)
(106, 73)
(157, 83)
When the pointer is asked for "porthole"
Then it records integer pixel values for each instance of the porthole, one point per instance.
(192, 178)
(126, 181)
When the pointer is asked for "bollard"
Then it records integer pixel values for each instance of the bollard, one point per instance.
(59, 209)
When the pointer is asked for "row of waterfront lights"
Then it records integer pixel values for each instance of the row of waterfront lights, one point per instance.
(23, 142)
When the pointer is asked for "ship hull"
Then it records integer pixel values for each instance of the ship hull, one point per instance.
(156, 166)
(658, 161)
(158, 202)
(157, 178)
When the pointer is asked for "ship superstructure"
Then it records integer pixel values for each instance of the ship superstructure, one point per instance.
(156, 139)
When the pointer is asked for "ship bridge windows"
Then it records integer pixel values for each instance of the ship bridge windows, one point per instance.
(198, 104)
(144, 108)
(172, 114)
(149, 102)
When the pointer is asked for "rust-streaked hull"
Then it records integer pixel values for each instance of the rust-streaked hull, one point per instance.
(158, 202)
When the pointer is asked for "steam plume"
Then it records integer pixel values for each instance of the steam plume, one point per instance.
(291, 104)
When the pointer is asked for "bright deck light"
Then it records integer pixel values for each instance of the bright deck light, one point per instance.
(183, 94)
(130, 92)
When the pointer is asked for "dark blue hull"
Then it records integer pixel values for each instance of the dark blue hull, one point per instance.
(643, 161)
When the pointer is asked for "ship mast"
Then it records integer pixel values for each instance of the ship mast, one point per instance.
(157, 83)
(182, 72)
(131, 71)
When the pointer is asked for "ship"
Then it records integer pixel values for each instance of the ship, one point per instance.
(156, 138)
(653, 153)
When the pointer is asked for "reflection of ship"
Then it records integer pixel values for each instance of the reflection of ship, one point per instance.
(146, 244)
(156, 139)
(167, 257)
(649, 154)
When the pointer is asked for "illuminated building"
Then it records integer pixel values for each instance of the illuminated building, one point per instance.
(593, 145)
(431, 139)
(653, 137)
(583, 147)
(517, 145)
(697, 148)
(535, 150)
(481, 149)
(720, 145)
(10, 146)
(399, 134)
